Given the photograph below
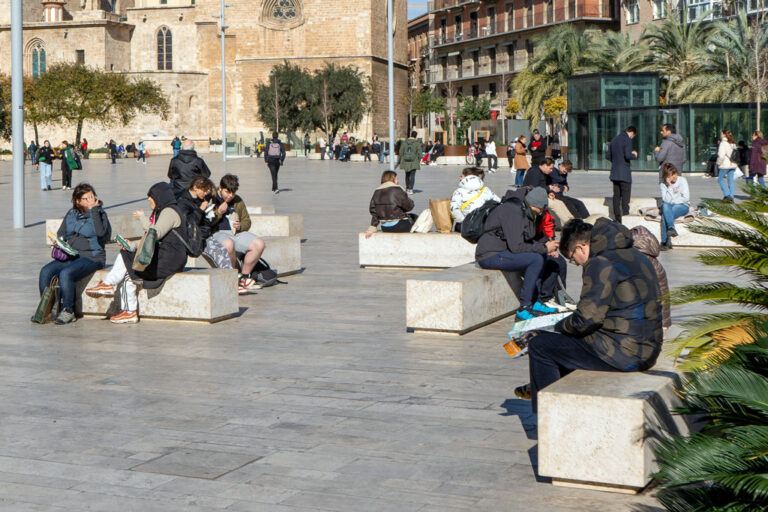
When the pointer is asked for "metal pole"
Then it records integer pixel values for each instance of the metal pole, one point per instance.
(391, 80)
(17, 113)
(223, 89)
(277, 107)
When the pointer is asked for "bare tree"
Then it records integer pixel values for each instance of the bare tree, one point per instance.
(506, 81)
(451, 92)
(326, 109)
(761, 62)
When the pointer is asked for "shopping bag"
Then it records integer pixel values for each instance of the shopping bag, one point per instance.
(441, 214)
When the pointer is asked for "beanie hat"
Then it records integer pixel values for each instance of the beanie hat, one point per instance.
(537, 197)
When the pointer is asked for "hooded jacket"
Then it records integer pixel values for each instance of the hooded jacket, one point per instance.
(756, 161)
(87, 232)
(389, 202)
(184, 168)
(619, 312)
(672, 151)
(512, 226)
(646, 243)
(470, 190)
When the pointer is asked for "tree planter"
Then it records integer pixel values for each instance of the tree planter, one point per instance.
(455, 150)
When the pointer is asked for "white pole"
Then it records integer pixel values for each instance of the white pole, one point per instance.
(223, 89)
(17, 113)
(391, 77)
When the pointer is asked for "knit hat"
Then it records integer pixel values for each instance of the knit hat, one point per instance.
(537, 197)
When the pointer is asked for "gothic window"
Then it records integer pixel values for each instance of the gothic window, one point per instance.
(282, 13)
(38, 58)
(164, 49)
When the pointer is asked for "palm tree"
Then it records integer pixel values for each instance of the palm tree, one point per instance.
(614, 51)
(728, 65)
(725, 466)
(711, 336)
(675, 47)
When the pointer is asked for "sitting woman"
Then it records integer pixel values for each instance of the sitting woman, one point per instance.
(390, 206)
(675, 202)
(162, 254)
(471, 195)
(86, 229)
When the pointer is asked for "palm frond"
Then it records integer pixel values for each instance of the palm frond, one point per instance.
(702, 340)
(755, 296)
(749, 262)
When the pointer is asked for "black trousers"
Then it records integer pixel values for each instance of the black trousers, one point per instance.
(622, 192)
(410, 179)
(493, 162)
(274, 167)
(403, 226)
(66, 177)
(575, 206)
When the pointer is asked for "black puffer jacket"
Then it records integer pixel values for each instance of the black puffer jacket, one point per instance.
(389, 202)
(185, 167)
(511, 226)
(190, 207)
(619, 312)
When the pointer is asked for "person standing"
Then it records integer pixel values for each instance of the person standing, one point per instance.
(520, 161)
(493, 159)
(176, 146)
(410, 156)
(726, 165)
(185, 167)
(274, 156)
(32, 152)
(321, 145)
(675, 202)
(620, 154)
(112, 147)
(538, 148)
(44, 161)
(68, 163)
(307, 144)
(142, 156)
(756, 159)
(563, 136)
(671, 151)
(84, 148)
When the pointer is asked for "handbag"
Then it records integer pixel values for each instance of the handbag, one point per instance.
(49, 304)
(145, 250)
(59, 255)
(424, 223)
(441, 214)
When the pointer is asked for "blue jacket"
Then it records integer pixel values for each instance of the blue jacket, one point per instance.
(620, 153)
(273, 159)
(87, 232)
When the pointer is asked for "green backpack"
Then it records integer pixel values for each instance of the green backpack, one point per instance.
(410, 154)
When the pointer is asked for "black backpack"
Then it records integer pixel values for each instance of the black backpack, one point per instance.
(473, 226)
(264, 275)
(193, 237)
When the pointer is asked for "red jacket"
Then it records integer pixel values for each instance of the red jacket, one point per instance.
(546, 225)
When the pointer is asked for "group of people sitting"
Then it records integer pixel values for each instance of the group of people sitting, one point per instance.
(185, 213)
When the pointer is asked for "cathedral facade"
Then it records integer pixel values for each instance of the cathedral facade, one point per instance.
(177, 44)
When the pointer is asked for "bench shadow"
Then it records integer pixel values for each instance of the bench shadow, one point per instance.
(522, 409)
(240, 312)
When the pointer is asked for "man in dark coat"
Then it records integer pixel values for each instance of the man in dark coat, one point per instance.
(620, 153)
(539, 175)
(617, 325)
(538, 148)
(185, 167)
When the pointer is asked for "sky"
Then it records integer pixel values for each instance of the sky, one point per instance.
(416, 8)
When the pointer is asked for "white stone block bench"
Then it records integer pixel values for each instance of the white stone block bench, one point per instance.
(460, 299)
(207, 295)
(123, 224)
(260, 210)
(278, 225)
(603, 206)
(597, 429)
(685, 238)
(283, 253)
(414, 250)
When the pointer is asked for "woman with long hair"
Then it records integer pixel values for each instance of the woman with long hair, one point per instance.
(726, 165)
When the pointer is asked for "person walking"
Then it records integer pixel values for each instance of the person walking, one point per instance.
(493, 159)
(112, 148)
(142, 155)
(185, 167)
(520, 161)
(620, 154)
(671, 150)
(68, 163)
(563, 136)
(84, 148)
(756, 158)
(176, 146)
(307, 144)
(410, 160)
(727, 164)
(44, 161)
(274, 156)
(32, 152)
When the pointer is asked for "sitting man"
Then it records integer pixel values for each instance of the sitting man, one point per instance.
(512, 242)
(230, 224)
(438, 150)
(617, 323)
(675, 202)
(539, 175)
(558, 187)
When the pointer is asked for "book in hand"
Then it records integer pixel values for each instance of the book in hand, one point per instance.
(126, 245)
(61, 244)
(522, 331)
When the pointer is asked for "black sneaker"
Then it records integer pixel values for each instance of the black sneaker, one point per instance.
(672, 232)
(65, 317)
(666, 246)
(523, 392)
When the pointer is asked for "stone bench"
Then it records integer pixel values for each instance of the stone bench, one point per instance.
(260, 210)
(207, 295)
(603, 206)
(462, 160)
(685, 238)
(598, 429)
(283, 253)
(123, 224)
(414, 250)
(460, 299)
(277, 225)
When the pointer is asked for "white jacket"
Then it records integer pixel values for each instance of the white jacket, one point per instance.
(490, 148)
(677, 193)
(469, 189)
(724, 152)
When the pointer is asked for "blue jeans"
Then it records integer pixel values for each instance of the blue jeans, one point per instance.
(519, 177)
(728, 190)
(175, 153)
(529, 263)
(669, 212)
(45, 175)
(69, 272)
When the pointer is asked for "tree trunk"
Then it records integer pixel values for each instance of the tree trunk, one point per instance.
(34, 125)
(79, 132)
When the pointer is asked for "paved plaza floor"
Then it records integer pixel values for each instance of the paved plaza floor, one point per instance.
(314, 398)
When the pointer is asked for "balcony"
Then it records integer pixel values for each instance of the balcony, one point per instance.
(449, 5)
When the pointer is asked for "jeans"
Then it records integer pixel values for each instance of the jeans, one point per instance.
(410, 179)
(113, 156)
(493, 162)
(142, 156)
(530, 263)
(728, 190)
(45, 175)
(552, 356)
(175, 153)
(69, 272)
(669, 212)
(274, 167)
(622, 192)
(553, 267)
(322, 152)
(761, 180)
(519, 177)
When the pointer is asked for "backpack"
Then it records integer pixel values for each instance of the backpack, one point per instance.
(264, 275)
(274, 150)
(735, 155)
(194, 238)
(409, 152)
(473, 226)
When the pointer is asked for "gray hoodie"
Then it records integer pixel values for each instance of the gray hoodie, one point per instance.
(672, 150)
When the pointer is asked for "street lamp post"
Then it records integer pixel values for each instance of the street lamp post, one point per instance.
(223, 28)
(17, 114)
(391, 80)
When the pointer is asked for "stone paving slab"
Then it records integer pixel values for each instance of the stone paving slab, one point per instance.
(316, 379)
